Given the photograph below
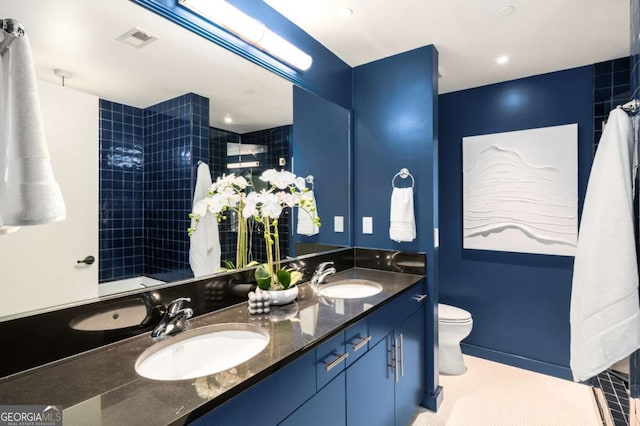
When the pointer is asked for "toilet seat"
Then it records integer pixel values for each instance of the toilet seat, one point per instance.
(452, 314)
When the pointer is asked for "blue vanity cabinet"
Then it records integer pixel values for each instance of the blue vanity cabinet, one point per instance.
(269, 401)
(326, 408)
(370, 387)
(409, 388)
(357, 340)
(385, 385)
(330, 359)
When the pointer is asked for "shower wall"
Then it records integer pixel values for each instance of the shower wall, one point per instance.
(277, 140)
(145, 186)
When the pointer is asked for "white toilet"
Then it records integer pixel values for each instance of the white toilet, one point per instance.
(454, 324)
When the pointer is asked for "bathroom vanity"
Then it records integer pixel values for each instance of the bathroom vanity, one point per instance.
(325, 360)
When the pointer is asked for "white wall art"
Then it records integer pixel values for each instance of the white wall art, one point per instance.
(520, 191)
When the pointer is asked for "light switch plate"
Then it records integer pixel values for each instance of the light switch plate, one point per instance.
(338, 224)
(367, 225)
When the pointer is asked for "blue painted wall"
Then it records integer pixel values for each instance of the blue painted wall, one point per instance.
(519, 302)
(322, 148)
(329, 76)
(396, 125)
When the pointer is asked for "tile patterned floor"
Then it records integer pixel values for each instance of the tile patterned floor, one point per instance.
(492, 394)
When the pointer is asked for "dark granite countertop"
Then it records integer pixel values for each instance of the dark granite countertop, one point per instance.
(102, 387)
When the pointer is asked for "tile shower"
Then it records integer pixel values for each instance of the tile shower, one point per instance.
(146, 178)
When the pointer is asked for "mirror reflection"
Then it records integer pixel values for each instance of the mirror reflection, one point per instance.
(142, 103)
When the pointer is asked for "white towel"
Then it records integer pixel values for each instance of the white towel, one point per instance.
(402, 226)
(307, 219)
(204, 249)
(605, 313)
(31, 196)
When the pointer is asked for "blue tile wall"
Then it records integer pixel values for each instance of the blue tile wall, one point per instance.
(176, 137)
(148, 162)
(121, 169)
(277, 140)
(611, 87)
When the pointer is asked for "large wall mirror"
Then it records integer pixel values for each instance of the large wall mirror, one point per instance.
(136, 102)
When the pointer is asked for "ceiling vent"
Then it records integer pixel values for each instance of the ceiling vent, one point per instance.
(137, 38)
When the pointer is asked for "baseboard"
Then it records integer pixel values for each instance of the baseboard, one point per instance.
(432, 401)
(518, 361)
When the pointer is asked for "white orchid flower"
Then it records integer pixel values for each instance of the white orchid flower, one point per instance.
(240, 182)
(268, 175)
(270, 205)
(283, 179)
(300, 183)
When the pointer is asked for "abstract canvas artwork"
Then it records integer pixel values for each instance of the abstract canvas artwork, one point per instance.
(520, 191)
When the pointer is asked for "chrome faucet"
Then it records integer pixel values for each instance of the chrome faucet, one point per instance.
(322, 272)
(175, 320)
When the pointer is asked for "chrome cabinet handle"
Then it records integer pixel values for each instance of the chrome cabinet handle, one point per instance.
(395, 358)
(335, 362)
(419, 297)
(363, 341)
(401, 355)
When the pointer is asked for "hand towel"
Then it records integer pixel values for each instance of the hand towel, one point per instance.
(605, 313)
(402, 217)
(307, 219)
(31, 194)
(204, 249)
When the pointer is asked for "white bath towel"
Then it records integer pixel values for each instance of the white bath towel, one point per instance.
(605, 313)
(31, 195)
(307, 218)
(204, 249)
(403, 223)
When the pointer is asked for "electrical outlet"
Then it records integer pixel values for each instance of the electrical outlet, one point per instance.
(338, 224)
(367, 225)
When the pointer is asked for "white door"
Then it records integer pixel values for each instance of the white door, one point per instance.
(38, 266)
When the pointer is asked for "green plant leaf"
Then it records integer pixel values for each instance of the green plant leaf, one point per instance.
(284, 278)
(262, 277)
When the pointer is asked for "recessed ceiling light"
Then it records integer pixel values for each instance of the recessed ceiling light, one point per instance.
(228, 120)
(505, 10)
(502, 59)
(346, 12)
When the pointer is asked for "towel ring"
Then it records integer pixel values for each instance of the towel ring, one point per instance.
(309, 180)
(403, 173)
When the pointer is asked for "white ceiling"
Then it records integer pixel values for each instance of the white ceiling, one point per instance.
(80, 36)
(539, 36)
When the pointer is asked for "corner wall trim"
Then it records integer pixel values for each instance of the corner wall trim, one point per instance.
(542, 367)
(432, 401)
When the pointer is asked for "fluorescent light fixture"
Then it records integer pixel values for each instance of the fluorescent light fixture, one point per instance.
(502, 59)
(243, 165)
(228, 120)
(251, 30)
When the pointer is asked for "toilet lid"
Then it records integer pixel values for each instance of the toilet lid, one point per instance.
(448, 313)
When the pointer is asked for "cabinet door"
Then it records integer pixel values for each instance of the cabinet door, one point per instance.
(370, 387)
(410, 385)
(326, 408)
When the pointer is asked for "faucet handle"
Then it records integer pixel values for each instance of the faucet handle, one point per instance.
(321, 267)
(176, 305)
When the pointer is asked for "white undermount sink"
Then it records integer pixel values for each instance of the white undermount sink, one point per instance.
(352, 288)
(202, 351)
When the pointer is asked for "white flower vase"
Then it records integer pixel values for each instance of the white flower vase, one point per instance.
(283, 297)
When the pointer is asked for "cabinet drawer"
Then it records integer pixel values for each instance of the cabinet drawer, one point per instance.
(388, 317)
(330, 359)
(357, 340)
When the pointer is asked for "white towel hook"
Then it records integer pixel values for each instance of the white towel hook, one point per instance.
(403, 173)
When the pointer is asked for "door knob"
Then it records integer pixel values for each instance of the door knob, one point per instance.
(87, 260)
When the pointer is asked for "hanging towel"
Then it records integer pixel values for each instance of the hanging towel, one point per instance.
(307, 219)
(204, 251)
(31, 196)
(402, 218)
(605, 314)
